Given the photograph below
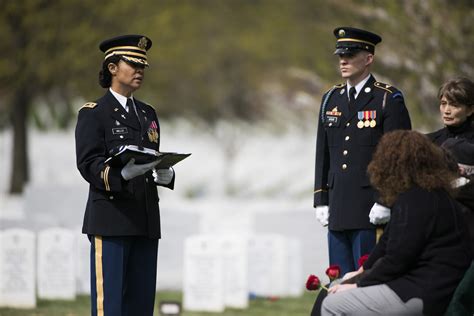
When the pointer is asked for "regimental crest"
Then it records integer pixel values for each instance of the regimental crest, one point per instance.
(142, 43)
(342, 33)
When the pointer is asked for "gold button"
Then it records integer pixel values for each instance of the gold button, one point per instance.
(344, 152)
(330, 124)
(344, 166)
(348, 123)
(121, 136)
(111, 197)
(347, 138)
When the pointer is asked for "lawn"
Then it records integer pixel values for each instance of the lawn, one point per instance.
(259, 307)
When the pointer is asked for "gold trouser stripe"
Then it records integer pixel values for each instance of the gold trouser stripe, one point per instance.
(378, 234)
(99, 277)
(106, 178)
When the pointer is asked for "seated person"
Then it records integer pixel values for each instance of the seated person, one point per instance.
(424, 252)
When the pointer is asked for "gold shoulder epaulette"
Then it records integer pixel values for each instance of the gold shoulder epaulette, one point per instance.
(337, 86)
(384, 86)
(89, 105)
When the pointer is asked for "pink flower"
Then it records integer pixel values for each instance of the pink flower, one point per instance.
(333, 272)
(313, 283)
(363, 259)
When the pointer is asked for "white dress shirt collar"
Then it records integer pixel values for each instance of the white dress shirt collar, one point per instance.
(358, 86)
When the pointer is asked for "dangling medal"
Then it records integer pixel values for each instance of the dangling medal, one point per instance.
(360, 116)
(373, 115)
(366, 119)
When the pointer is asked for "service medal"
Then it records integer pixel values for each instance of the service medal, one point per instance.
(360, 116)
(366, 119)
(373, 115)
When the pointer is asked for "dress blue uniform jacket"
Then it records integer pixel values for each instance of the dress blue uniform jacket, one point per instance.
(343, 150)
(116, 207)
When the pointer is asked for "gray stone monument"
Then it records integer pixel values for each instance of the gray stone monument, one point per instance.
(56, 264)
(17, 268)
(203, 288)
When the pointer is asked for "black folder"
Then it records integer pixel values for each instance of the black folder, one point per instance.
(121, 155)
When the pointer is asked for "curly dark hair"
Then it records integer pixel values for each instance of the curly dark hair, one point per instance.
(404, 159)
(105, 78)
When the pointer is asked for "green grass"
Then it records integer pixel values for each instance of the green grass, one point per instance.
(258, 307)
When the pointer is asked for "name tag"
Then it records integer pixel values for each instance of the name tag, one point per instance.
(332, 119)
(119, 130)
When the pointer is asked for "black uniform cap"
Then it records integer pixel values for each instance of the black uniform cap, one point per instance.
(131, 48)
(350, 40)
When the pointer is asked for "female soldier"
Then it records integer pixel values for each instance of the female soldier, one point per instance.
(423, 253)
(122, 218)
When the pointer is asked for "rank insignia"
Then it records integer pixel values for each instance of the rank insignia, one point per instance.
(153, 132)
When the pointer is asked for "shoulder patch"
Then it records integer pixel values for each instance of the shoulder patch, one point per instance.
(89, 105)
(384, 86)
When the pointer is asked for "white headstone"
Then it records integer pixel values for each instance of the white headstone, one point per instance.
(203, 278)
(56, 264)
(268, 265)
(83, 267)
(295, 268)
(235, 269)
(17, 268)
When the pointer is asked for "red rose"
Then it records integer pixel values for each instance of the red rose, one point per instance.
(313, 283)
(333, 272)
(363, 259)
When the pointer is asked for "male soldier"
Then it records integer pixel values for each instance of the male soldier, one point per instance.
(353, 117)
(122, 216)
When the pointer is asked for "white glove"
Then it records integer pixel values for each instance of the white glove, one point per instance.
(131, 170)
(379, 214)
(163, 176)
(322, 214)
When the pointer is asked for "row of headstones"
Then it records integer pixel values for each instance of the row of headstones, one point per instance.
(219, 270)
(225, 270)
(52, 265)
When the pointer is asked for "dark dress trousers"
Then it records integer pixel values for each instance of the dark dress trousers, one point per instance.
(424, 251)
(116, 207)
(343, 150)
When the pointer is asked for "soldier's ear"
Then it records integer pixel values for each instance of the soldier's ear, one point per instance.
(112, 68)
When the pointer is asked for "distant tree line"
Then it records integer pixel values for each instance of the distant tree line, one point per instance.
(211, 58)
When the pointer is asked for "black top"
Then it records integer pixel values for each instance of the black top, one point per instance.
(116, 207)
(424, 250)
(466, 130)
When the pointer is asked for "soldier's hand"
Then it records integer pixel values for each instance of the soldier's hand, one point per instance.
(322, 214)
(163, 176)
(131, 170)
(379, 214)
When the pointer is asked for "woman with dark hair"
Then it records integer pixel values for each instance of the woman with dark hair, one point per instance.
(122, 216)
(456, 107)
(423, 253)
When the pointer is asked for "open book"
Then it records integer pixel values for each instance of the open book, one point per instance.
(120, 155)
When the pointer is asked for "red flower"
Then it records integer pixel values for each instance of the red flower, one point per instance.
(363, 259)
(333, 272)
(313, 283)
